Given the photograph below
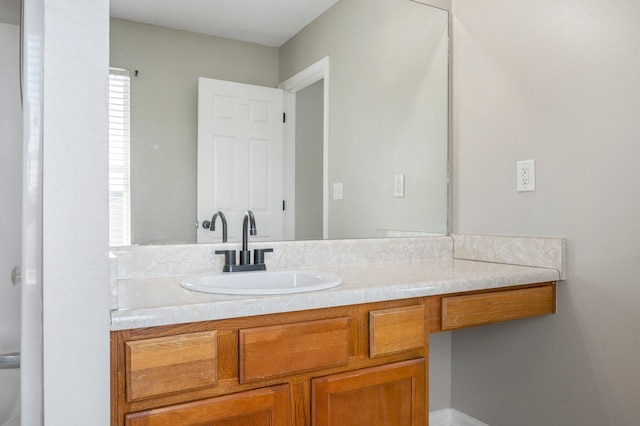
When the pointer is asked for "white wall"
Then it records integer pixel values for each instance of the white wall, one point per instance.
(164, 116)
(557, 82)
(75, 229)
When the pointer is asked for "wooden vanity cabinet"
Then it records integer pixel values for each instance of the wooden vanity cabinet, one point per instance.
(279, 369)
(350, 365)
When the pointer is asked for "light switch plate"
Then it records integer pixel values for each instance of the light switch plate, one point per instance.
(337, 191)
(398, 185)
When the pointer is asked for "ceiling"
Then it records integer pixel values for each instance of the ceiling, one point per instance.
(267, 22)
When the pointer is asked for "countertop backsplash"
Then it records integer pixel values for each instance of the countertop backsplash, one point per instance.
(137, 262)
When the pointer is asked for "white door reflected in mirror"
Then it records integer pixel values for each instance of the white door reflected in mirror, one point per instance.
(240, 137)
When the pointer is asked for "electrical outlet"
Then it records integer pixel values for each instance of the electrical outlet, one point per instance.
(526, 175)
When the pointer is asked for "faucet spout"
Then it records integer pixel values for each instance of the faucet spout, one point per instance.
(248, 226)
(223, 219)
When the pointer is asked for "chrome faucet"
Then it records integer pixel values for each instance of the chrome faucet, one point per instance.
(248, 221)
(212, 224)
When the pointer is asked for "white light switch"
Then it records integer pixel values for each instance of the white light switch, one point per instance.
(526, 175)
(337, 190)
(398, 185)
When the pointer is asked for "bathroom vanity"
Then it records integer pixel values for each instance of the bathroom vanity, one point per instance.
(367, 363)
(356, 354)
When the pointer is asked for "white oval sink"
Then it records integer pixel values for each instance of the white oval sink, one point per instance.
(262, 282)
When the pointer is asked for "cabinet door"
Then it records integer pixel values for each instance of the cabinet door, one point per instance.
(387, 395)
(268, 406)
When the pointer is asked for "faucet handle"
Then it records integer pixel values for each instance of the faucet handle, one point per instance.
(229, 259)
(258, 255)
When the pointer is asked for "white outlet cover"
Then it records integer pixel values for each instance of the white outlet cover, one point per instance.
(526, 175)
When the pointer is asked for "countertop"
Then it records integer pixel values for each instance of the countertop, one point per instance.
(147, 302)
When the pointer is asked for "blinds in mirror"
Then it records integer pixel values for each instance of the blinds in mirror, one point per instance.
(119, 160)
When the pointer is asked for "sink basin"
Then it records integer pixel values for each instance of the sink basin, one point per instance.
(262, 282)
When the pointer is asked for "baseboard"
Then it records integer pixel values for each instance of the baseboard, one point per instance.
(441, 417)
(451, 417)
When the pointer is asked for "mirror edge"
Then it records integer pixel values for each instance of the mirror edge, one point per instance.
(446, 5)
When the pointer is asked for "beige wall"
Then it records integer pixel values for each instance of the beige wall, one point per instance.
(558, 82)
(164, 113)
(388, 91)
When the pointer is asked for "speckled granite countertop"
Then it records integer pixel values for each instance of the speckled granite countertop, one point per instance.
(154, 301)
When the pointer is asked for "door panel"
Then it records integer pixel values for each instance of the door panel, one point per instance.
(240, 157)
(388, 395)
(268, 406)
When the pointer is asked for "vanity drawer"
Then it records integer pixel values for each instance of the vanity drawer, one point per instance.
(292, 348)
(396, 329)
(266, 406)
(496, 306)
(170, 364)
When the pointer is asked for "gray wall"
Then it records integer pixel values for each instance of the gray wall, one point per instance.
(309, 161)
(10, 12)
(10, 188)
(558, 82)
(164, 113)
(387, 111)
(439, 371)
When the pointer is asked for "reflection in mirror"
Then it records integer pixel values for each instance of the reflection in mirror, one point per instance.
(387, 102)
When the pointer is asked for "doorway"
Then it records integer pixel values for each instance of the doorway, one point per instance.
(309, 162)
(304, 87)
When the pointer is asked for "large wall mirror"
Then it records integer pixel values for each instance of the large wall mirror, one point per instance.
(371, 152)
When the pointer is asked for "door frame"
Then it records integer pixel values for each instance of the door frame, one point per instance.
(313, 73)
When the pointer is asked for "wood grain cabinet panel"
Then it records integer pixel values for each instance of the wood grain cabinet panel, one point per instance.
(396, 329)
(292, 348)
(267, 406)
(357, 365)
(393, 394)
(477, 309)
(170, 364)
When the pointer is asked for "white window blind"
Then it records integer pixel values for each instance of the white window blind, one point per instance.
(119, 160)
